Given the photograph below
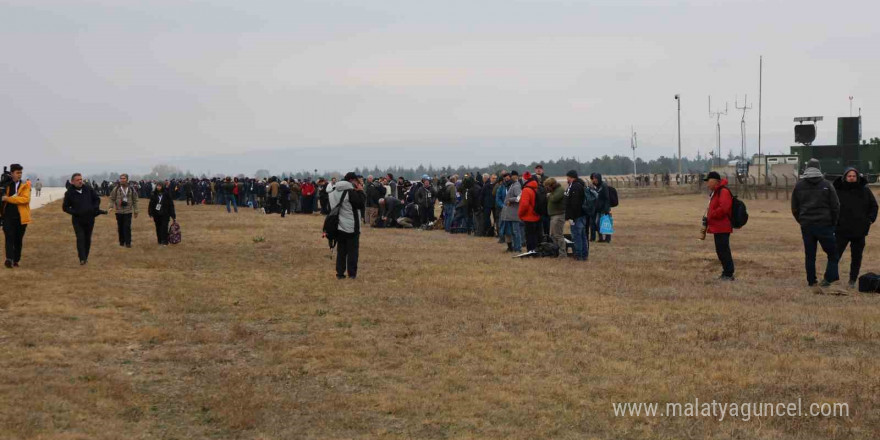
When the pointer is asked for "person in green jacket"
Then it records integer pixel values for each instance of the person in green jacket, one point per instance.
(556, 211)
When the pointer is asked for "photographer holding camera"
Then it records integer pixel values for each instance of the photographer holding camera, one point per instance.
(83, 205)
(15, 213)
(124, 199)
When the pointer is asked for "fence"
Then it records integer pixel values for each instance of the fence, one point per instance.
(776, 186)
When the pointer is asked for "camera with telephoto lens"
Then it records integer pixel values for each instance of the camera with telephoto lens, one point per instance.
(5, 179)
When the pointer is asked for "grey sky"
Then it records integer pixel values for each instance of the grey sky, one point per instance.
(140, 81)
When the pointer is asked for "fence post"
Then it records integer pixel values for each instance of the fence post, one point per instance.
(786, 186)
(776, 187)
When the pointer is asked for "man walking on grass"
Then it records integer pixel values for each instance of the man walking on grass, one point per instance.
(124, 200)
(815, 206)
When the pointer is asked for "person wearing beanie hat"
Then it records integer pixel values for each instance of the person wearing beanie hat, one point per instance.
(816, 207)
(858, 211)
(717, 222)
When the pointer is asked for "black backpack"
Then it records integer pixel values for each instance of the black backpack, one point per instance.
(739, 215)
(591, 197)
(612, 196)
(331, 222)
(541, 201)
(869, 283)
(547, 250)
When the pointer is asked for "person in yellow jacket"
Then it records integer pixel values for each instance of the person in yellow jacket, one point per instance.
(16, 215)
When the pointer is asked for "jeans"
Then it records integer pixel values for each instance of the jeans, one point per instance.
(14, 232)
(448, 215)
(857, 246)
(533, 234)
(230, 200)
(579, 237)
(824, 236)
(83, 227)
(722, 249)
(123, 228)
(347, 246)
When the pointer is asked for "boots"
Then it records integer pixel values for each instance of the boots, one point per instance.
(509, 247)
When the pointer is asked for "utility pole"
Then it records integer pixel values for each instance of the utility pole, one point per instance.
(633, 143)
(678, 100)
(742, 125)
(760, 96)
(717, 116)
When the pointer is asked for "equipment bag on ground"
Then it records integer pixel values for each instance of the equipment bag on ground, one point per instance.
(869, 283)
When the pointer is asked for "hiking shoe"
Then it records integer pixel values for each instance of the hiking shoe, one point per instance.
(340, 277)
(82, 262)
(8, 264)
(825, 283)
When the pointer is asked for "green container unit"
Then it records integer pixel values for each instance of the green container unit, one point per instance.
(834, 159)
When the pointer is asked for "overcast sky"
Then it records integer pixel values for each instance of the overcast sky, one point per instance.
(108, 81)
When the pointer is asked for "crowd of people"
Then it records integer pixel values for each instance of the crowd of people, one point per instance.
(528, 210)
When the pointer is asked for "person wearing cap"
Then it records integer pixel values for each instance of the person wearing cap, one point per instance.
(815, 206)
(858, 211)
(718, 221)
(16, 215)
(447, 197)
(511, 225)
(348, 235)
(577, 218)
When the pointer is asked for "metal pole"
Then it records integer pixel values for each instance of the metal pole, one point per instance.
(678, 99)
(760, 86)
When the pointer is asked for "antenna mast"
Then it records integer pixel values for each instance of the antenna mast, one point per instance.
(633, 143)
(717, 115)
(742, 124)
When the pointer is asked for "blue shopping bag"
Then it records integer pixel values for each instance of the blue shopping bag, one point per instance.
(606, 225)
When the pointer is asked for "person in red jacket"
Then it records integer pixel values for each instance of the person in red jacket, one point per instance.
(717, 221)
(531, 219)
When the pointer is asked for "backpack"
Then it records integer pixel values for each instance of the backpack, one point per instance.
(174, 233)
(590, 199)
(869, 283)
(331, 222)
(612, 196)
(541, 201)
(739, 216)
(547, 250)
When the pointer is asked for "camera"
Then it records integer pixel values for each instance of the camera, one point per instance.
(124, 204)
(5, 179)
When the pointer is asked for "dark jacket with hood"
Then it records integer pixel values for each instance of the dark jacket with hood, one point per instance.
(603, 200)
(814, 201)
(858, 206)
(166, 208)
(574, 200)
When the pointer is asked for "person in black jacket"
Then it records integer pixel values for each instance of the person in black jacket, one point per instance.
(161, 209)
(574, 213)
(858, 211)
(603, 206)
(83, 205)
(815, 206)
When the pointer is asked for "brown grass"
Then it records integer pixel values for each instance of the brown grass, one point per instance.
(440, 337)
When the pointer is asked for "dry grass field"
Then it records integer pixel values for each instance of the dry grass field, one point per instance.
(441, 336)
